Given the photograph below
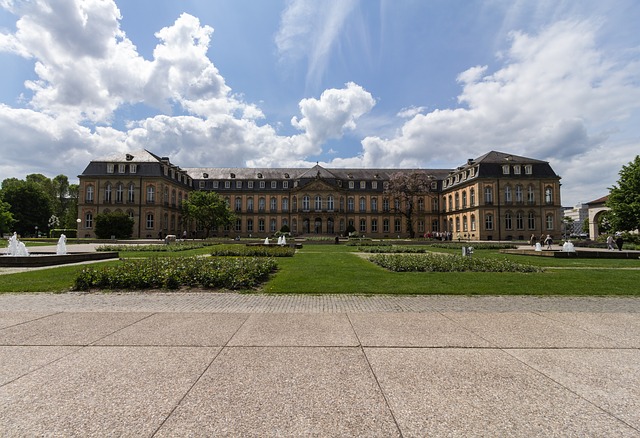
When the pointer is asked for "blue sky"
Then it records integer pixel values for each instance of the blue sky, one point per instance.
(347, 83)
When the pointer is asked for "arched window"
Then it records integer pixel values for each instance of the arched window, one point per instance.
(457, 198)
(330, 205)
(88, 220)
(107, 193)
(420, 204)
(531, 220)
(385, 204)
(473, 222)
(507, 221)
(472, 197)
(458, 224)
(273, 206)
(149, 222)
(464, 199)
(306, 203)
(119, 193)
(285, 204)
(173, 198)
(507, 195)
(261, 204)
(374, 204)
(450, 203)
(238, 204)
(363, 204)
(465, 226)
(250, 205)
(488, 195)
(318, 203)
(89, 194)
(350, 204)
(151, 194)
(519, 194)
(131, 195)
(519, 220)
(531, 195)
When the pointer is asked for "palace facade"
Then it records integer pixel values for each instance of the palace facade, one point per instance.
(496, 196)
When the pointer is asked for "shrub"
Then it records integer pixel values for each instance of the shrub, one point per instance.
(255, 251)
(447, 263)
(174, 247)
(172, 273)
(113, 224)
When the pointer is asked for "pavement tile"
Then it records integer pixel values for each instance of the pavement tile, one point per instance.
(68, 328)
(610, 379)
(284, 391)
(622, 327)
(482, 392)
(179, 329)
(102, 391)
(412, 330)
(528, 330)
(287, 329)
(16, 361)
(8, 319)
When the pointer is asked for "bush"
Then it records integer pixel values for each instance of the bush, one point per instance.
(71, 233)
(113, 224)
(174, 247)
(173, 273)
(447, 263)
(255, 251)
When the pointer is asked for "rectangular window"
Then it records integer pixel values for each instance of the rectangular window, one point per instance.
(374, 225)
(149, 221)
(351, 184)
(505, 169)
(110, 168)
(285, 184)
(516, 170)
(385, 225)
(528, 169)
(121, 168)
(133, 168)
(488, 222)
(262, 184)
(363, 225)
(201, 184)
(216, 184)
(250, 184)
(274, 184)
(238, 184)
(88, 220)
(227, 184)
(363, 184)
(374, 185)
(397, 225)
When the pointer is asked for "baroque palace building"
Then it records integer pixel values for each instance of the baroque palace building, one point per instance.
(496, 196)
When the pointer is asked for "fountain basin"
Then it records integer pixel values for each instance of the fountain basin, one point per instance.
(35, 260)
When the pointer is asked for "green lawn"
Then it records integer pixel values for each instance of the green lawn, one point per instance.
(318, 269)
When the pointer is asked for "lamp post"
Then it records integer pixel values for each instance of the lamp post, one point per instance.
(78, 230)
(37, 231)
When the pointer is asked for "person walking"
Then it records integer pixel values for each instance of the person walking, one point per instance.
(610, 246)
(548, 241)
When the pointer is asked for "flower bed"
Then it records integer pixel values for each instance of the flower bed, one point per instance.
(173, 273)
(447, 263)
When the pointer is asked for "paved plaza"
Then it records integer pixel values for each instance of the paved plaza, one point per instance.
(226, 364)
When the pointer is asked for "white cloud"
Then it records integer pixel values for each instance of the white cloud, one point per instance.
(309, 30)
(556, 97)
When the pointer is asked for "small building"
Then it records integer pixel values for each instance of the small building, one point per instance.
(497, 196)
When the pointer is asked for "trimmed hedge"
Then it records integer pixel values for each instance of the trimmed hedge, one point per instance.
(173, 273)
(254, 251)
(389, 249)
(172, 247)
(447, 263)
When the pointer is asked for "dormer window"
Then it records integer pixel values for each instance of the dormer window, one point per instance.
(528, 169)
(516, 170)
(232, 175)
(286, 175)
(205, 175)
(259, 175)
(129, 157)
(110, 168)
(505, 169)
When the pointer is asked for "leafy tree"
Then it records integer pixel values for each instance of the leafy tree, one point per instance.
(406, 188)
(208, 209)
(6, 218)
(624, 199)
(113, 224)
(29, 204)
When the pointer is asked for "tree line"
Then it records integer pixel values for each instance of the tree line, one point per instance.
(37, 204)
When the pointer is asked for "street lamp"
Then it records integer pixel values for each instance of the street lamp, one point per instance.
(37, 231)
(78, 230)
